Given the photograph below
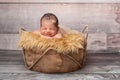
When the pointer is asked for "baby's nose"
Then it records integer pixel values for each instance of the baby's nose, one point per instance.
(48, 30)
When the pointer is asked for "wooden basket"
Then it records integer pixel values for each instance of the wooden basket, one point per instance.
(51, 61)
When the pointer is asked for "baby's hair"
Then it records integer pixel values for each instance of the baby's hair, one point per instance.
(50, 16)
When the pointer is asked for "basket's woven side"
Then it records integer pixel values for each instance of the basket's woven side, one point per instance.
(78, 56)
(53, 62)
(49, 62)
(29, 57)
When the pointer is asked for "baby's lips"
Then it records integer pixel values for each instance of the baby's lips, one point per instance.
(49, 35)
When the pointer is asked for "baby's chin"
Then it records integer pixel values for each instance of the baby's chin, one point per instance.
(47, 36)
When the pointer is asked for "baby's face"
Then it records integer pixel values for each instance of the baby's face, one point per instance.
(48, 29)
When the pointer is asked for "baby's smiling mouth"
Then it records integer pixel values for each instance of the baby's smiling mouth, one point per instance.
(48, 34)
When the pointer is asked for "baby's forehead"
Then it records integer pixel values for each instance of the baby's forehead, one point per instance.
(49, 23)
(52, 21)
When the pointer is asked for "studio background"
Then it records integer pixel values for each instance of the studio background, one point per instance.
(102, 18)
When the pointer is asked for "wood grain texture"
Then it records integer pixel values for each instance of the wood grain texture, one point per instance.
(100, 66)
(101, 18)
(10, 42)
(67, 76)
(113, 40)
(97, 42)
(59, 1)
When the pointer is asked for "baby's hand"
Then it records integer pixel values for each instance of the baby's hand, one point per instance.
(58, 35)
(47, 37)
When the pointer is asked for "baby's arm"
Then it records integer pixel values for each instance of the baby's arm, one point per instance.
(58, 35)
(36, 32)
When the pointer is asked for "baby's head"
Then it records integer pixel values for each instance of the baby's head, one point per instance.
(49, 25)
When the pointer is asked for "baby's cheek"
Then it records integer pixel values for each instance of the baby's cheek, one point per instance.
(43, 33)
(55, 32)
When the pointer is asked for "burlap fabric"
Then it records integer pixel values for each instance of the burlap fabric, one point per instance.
(53, 55)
